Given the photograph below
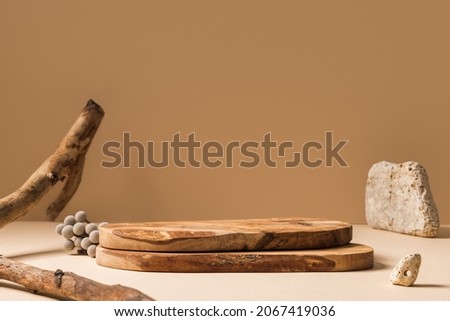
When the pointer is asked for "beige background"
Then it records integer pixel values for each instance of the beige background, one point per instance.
(374, 72)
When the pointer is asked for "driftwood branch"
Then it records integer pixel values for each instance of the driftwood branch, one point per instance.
(67, 285)
(65, 164)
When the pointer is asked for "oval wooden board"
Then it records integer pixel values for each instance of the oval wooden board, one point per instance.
(349, 257)
(226, 235)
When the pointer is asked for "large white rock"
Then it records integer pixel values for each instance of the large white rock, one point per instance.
(399, 199)
(406, 271)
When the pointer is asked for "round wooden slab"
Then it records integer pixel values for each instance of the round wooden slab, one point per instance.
(226, 235)
(345, 258)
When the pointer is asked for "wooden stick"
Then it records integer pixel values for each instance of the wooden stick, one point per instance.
(66, 163)
(67, 285)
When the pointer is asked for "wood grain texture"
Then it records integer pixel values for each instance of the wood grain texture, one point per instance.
(349, 257)
(226, 235)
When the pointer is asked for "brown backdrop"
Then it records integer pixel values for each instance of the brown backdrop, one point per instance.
(374, 72)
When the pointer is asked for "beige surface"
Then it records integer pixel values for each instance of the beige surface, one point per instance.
(375, 72)
(36, 243)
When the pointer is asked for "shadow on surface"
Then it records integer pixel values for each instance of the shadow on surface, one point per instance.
(424, 285)
(444, 232)
(34, 254)
(378, 266)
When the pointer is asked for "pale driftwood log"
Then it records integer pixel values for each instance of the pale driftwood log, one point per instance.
(67, 285)
(65, 164)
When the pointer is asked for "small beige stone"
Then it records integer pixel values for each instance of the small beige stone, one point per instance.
(399, 199)
(406, 271)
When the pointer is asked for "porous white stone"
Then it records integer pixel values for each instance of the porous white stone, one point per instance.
(406, 271)
(399, 199)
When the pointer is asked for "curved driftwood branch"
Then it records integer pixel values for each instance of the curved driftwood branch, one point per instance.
(67, 285)
(66, 163)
